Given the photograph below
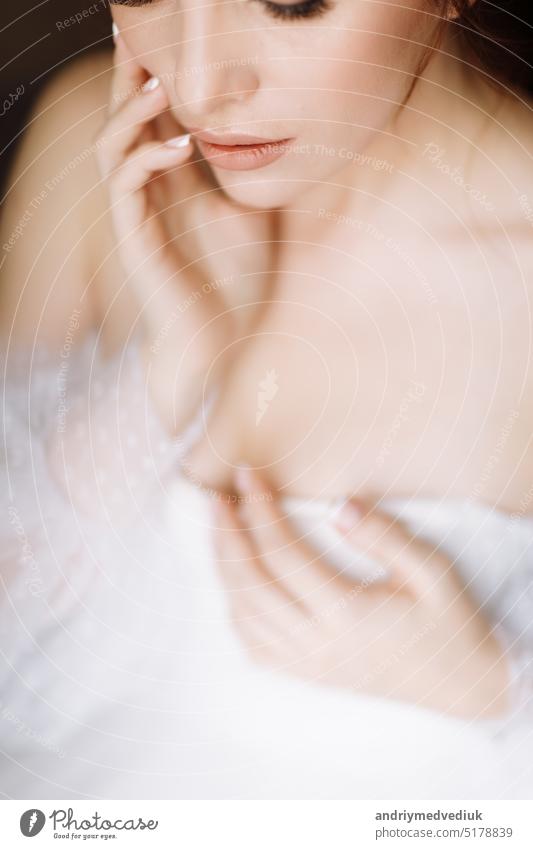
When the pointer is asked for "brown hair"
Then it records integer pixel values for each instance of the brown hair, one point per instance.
(499, 35)
(498, 40)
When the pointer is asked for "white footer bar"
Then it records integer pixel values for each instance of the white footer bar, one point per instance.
(268, 824)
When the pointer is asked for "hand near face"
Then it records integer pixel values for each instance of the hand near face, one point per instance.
(184, 246)
(415, 635)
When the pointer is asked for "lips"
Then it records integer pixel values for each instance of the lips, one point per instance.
(239, 151)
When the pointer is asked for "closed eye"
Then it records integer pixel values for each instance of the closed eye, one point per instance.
(286, 11)
(293, 11)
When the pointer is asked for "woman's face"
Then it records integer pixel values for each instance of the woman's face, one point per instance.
(321, 79)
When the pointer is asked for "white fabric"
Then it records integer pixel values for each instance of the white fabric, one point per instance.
(120, 675)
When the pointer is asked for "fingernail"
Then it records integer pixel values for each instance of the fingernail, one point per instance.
(179, 141)
(151, 84)
(116, 31)
(348, 516)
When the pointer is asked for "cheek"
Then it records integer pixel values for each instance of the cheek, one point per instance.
(335, 97)
(145, 38)
(371, 50)
(358, 74)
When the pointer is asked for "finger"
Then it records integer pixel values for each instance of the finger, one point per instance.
(128, 76)
(288, 558)
(245, 576)
(126, 126)
(246, 572)
(271, 638)
(128, 200)
(414, 564)
(131, 81)
(145, 161)
(274, 632)
(237, 562)
(259, 596)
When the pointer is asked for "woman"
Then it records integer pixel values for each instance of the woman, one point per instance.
(298, 276)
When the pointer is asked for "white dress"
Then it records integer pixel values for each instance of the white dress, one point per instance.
(120, 674)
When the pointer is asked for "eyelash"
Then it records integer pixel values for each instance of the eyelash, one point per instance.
(302, 9)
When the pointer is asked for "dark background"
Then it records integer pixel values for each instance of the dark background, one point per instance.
(35, 43)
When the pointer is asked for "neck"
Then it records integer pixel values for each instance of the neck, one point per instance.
(451, 102)
(449, 107)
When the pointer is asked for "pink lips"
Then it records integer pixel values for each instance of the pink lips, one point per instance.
(239, 151)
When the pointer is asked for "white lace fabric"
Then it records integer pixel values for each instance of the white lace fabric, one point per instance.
(120, 674)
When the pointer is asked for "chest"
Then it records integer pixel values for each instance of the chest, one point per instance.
(404, 369)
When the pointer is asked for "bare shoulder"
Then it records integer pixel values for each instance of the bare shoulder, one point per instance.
(54, 206)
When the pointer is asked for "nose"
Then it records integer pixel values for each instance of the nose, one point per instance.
(212, 62)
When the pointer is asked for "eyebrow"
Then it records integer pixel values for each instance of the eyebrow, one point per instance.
(129, 2)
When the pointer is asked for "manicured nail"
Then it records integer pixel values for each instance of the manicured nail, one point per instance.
(348, 516)
(116, 31)
(179, 141)
(151, 84)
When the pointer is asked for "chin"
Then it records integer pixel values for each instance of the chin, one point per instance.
(258, 192)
